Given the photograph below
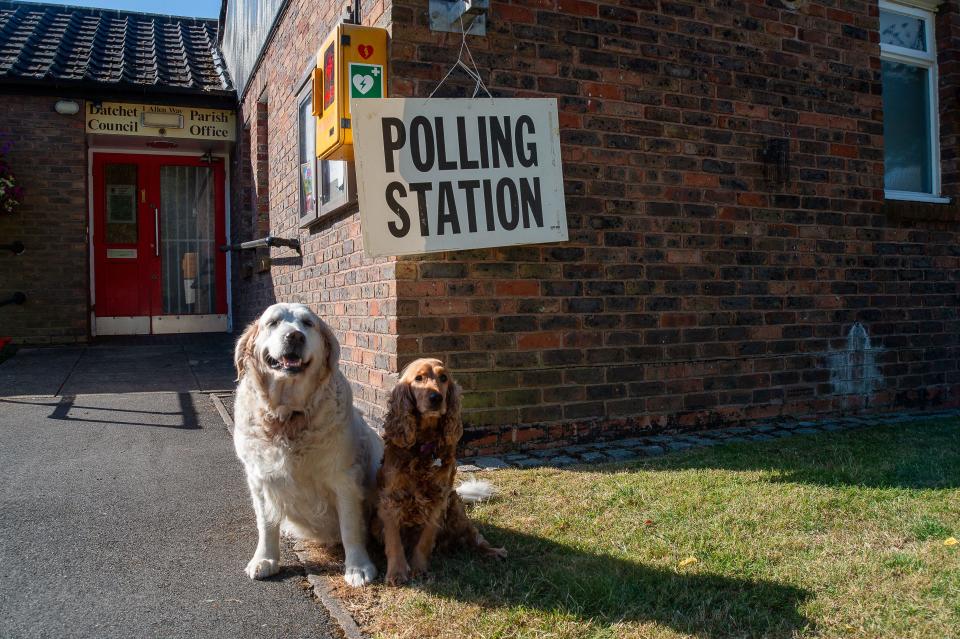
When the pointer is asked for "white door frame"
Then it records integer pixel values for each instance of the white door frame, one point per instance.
(133, 325)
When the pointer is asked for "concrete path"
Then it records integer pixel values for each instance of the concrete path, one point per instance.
(125, 514)
(177, 363)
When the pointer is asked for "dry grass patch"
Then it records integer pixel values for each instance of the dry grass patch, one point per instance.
(834, 535)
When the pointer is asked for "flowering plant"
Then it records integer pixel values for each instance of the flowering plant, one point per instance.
(11, 195)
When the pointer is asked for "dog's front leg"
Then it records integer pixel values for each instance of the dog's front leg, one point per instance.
(266, 558)
(398, 570)
(428, 538)
(359, 569)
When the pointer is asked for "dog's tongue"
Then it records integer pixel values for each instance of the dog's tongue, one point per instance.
(290, 362)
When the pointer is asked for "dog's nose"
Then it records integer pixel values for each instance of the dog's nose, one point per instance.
(294, 338)
(435, 398)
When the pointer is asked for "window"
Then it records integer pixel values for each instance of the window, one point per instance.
(121, 200)
(910, 120)
(337, 181)
(307, 161)
(324, 186)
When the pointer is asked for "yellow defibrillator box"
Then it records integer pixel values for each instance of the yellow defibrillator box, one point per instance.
(352, 63)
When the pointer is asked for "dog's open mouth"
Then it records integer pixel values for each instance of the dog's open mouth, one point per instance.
(287, 363)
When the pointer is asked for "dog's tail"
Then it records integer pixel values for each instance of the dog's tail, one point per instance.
(474, 490)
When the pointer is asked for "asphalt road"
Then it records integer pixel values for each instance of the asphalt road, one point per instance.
(126, 515)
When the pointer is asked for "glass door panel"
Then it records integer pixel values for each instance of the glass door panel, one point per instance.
(120, 185)
(188, 247)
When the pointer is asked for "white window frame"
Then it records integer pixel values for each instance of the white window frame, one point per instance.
(304, 95)
(925, 60)
(330, 204)
(326, 204)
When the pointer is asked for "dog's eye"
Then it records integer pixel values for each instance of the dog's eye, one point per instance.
(443, 378)
(308, 323)
(419, 378)
(272, 323)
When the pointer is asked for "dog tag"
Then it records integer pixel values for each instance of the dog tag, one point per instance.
(438, 462)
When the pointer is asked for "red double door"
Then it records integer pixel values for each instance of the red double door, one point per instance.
(158, 224)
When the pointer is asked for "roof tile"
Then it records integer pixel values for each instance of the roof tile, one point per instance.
(108, 48)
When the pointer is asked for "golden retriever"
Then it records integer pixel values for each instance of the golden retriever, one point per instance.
(418, 504)
(310, 458)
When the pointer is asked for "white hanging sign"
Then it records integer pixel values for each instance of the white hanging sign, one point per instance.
(442, 174)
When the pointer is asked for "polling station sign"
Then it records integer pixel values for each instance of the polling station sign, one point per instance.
(452, 174)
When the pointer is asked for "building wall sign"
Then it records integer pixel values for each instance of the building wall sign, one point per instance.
(453, 174)
(121, 118)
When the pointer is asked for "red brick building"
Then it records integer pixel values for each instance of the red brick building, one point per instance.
(111, 117)
(761, 203)
(743, 243)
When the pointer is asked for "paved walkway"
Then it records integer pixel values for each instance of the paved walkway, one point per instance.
(655, 445)
(174, 363)
(125, 513)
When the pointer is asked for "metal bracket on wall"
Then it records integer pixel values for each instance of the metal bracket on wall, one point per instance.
(17, 298)
(16, 247)
(454, 15)
(264, 242)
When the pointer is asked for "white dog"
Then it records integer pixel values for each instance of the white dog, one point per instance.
(311, 459)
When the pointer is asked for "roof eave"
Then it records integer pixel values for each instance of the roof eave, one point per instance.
(92, 91)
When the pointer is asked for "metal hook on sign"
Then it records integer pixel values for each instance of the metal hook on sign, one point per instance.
(446, 15)
(473, 73)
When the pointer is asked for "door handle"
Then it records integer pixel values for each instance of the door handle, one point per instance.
(156, 232)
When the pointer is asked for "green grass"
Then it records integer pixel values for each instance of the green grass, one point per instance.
(834, 535)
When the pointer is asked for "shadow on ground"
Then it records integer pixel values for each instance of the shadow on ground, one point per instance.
(584, 586)
(136, 364)
(918, 455)
(172, 410)
(572, 582)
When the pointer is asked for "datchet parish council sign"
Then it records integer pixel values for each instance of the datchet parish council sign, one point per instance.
(453, 174)
(122, 118)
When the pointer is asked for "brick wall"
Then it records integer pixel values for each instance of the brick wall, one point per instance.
(701, 285)
(356, 296)
(704, 282)
(250, 215)
(49, 161)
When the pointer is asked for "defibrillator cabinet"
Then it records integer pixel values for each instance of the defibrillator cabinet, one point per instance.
(352, 63)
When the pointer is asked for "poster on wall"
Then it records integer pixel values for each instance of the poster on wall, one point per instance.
(306, 183)
(455, 174)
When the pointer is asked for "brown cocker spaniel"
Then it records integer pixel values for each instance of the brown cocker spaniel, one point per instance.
(418, 505)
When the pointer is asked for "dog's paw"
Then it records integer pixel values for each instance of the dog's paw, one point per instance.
(398, 575)
(260, 568)
(418, 565)
(497, 553)
(360, 574)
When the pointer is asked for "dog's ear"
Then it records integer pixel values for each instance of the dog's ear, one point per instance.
(244, 348)
(400, 426)
(332, 345)
(452, 424)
